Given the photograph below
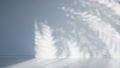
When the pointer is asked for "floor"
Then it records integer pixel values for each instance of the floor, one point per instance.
(59, 63)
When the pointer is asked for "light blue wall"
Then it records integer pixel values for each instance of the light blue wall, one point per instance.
(17, 23)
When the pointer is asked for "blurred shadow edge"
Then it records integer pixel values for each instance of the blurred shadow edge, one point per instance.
(9, 60)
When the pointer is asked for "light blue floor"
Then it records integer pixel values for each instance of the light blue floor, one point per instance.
(59, 63)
